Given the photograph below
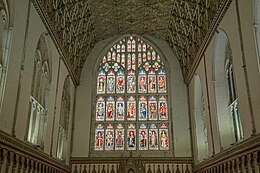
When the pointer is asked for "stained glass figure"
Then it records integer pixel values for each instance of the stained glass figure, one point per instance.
(118, 57)
(161, 83)
(152, 82)
(153, 55)
(114, 56)
(118, 48)
(133, 61)
(109, 137)
(139, 47)
(144, 57)
(142, 108)
(111, 82)
(120, 82)
(131, 137)
(143, 137)
(100, 109)
(163, 115)
(131, 109)
(120, 109)
(109, 56)
(149, 56)
(123, 60)
(123, 48)
(153, 137)
(119, 137)
(129, 62)
(129, 46)
(164, 137)
(139, 59)
(110, 109)
(131, 82)
(99, 138)
(133, 46)
(152, 108)
(142, 82)
(101, 83)
(144, 47)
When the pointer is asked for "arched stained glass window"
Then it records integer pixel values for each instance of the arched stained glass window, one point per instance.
(131, 112)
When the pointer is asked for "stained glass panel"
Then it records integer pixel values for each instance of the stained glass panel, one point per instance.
(131, 99)
(131, 109)
(120, 82)
(111, 82)
(143, 137)
(142, 108)
(131, 137)
(142, 88)
(109, 137)
(100, 109)
(119, 138)
(153, 137)
(120, 109)
(164, 137)
(152, 108)
(110, 109)
(163, 115)
(99, 136)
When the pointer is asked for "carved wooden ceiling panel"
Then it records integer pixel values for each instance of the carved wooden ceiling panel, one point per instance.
(82, 23)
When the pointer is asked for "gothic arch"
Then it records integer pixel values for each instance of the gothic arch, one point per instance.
(221, 79)
(200, 121)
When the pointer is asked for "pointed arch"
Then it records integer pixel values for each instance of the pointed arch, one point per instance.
(40, 91)
(64, 120)
(228, 117)
(131, 89)
(201, 130)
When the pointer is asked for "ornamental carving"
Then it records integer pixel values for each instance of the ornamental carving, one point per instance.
(82, 23)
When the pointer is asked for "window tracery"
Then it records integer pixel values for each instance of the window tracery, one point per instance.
(131, 111)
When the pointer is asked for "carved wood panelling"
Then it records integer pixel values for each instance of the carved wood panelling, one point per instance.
(82, 23)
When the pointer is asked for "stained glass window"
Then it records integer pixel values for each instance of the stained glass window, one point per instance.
(131, 111)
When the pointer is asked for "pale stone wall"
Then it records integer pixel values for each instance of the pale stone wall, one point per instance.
(14, 117)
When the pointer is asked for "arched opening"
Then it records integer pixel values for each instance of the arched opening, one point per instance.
(64, 121)
(40, 91)
(131, 110)
(200, 122)
(228, 117)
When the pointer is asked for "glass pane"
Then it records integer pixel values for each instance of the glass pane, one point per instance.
(99, 138)
(164, 139)
(119, 138)
(111, 82)
(152, 83)
(161, 84)
(142, 108)
(163, 109)
(143, 136)
(120, 84)
(110, 111)
(142, 82)
(109, 138)
(131, 82)
(131, 137)
(120, 109)
(153, 138)
(101, 84)
(100, 109)
(152, 108)
(131, 109)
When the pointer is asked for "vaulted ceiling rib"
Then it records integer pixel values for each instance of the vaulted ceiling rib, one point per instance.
(82, 23)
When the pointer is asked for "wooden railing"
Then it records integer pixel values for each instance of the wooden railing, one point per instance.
(243, 157)
(18, 157)
(143, 165)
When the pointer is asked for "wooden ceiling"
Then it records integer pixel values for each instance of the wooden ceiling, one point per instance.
(79, 24)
